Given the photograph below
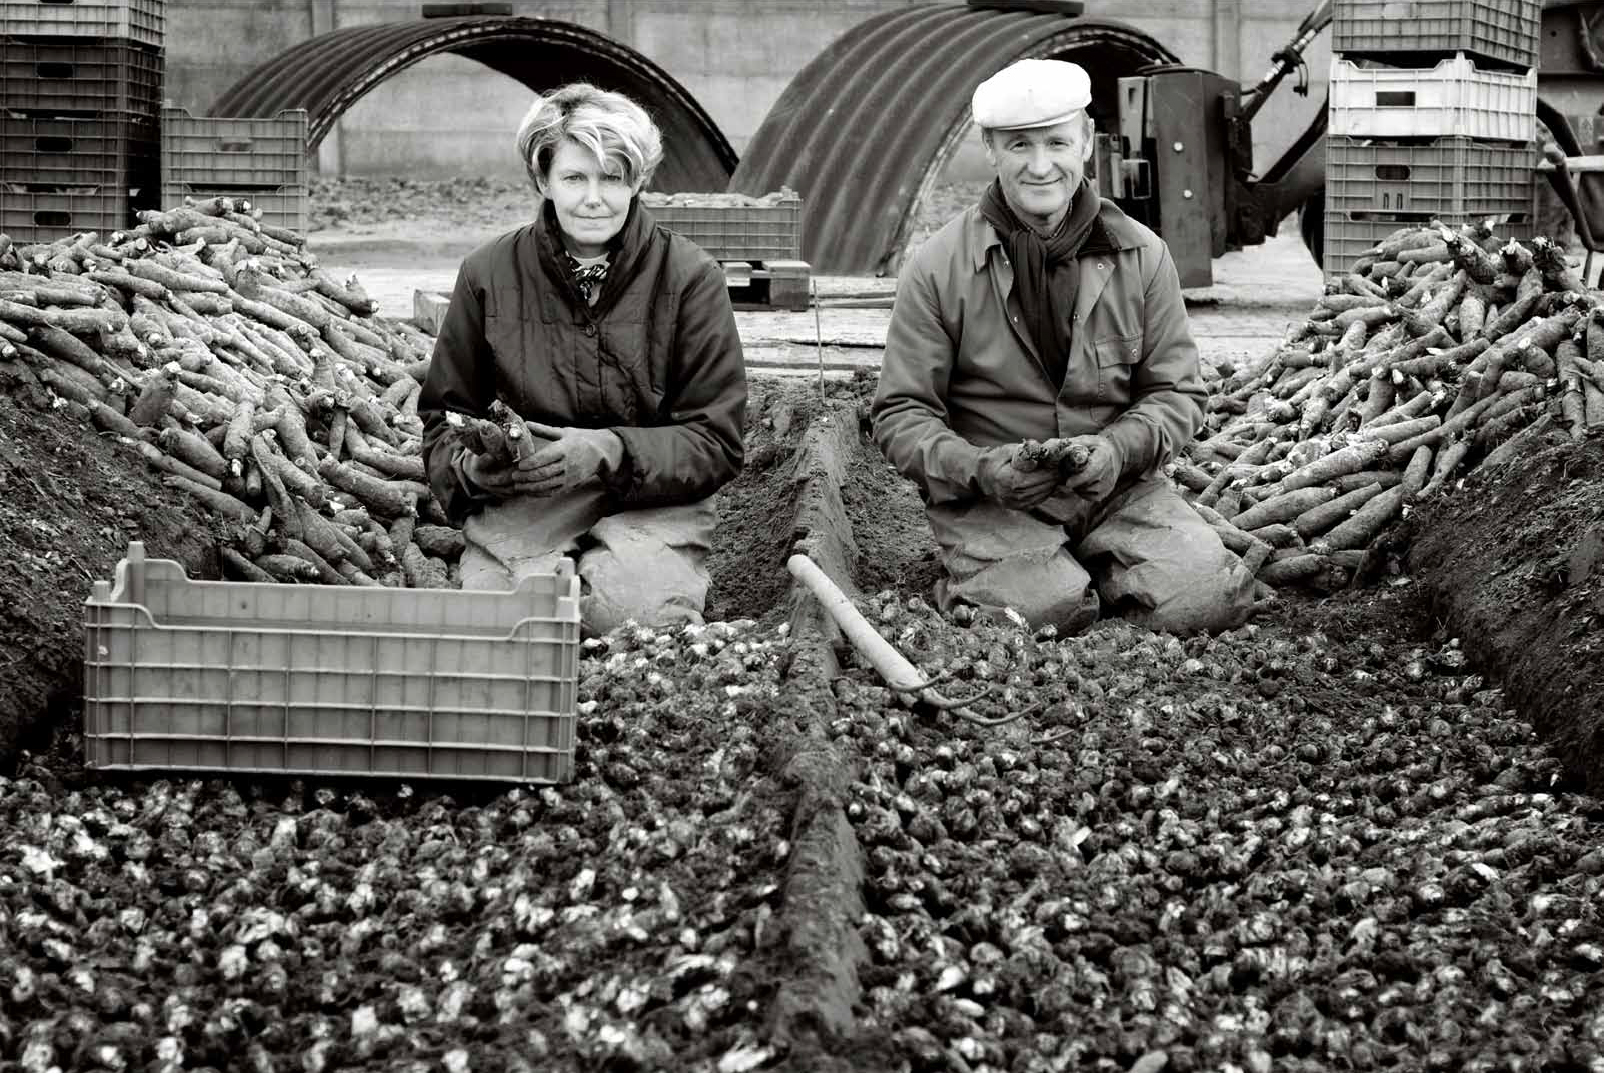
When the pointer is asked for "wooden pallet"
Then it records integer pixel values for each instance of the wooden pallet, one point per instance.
(768, 284)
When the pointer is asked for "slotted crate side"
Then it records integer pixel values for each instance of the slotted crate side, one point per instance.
(737, 232)
(81, 78)
(1502, 30)
(115, 148)
(416, 683)
(140, 21)
(283, 206)
(1346, 238)
(1454, 97)
(34, 215)
(1456, 176)
(267, 152)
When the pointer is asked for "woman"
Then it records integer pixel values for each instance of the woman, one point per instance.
(615, 341)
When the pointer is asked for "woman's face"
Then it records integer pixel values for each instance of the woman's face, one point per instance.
(591, 199)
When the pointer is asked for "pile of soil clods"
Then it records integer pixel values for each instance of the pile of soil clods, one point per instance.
(72, 502)
(1314, 843)
(1515, 558)
(625, 921)
(757, 527)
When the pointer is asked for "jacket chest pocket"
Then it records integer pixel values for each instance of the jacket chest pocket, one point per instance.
(1116, 358)
(623, 369)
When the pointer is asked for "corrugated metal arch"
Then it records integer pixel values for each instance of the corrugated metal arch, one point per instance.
(863, 131)
(329, 73)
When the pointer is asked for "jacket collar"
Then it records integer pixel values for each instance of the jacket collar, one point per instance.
(624, 250)
(1109, 234)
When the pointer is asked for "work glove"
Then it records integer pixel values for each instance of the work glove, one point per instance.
(487, 474)
(1096, 479)
(1009, 486)
(572, 458)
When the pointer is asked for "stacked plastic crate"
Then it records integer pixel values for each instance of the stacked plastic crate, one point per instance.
(262, 159)
(80, 92)
(1433, 115)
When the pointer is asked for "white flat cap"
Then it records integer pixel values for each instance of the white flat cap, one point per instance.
(1031, 93)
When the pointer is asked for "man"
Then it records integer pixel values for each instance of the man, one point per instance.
(1045, 312)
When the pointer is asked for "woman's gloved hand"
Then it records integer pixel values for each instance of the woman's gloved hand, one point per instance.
(572, 458)
(1009, 486)
(489, 475)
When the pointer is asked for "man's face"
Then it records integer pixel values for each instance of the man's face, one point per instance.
(1040, 168)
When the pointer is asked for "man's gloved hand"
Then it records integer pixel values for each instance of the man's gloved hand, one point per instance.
(1097, 478)
(1007, 485)
(573, 458)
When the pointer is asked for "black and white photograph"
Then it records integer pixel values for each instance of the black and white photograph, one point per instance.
(801, 536)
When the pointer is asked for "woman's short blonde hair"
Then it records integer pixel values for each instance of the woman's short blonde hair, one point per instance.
(614, 128)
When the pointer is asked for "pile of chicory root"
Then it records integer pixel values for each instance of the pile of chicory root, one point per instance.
(1432, 353)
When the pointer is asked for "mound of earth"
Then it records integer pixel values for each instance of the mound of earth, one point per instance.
(73, 501)
(1515, 561)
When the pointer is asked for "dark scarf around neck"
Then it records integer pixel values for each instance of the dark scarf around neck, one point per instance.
(623, 253)
(1046, 270)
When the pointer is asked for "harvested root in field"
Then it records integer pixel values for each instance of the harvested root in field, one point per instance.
(218, 350)
(1066, 455)
(1439, 346)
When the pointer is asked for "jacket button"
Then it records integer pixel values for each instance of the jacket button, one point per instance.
(590, 329)
(1100, 264)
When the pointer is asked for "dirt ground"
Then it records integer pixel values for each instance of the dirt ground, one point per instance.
(1344, 847)
(1516, 561)
(73, 502)
(755, 535)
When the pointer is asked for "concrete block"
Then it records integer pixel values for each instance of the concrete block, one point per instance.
(789, 291)
(429, 309)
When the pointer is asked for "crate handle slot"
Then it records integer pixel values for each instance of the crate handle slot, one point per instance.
(1395, 98)
(1393, 217)
(57, 70)
(52, 218)
(52, 143)
(234, 145)
(57, 3)
(1392, 173)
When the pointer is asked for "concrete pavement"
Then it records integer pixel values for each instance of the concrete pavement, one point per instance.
(1258, 294)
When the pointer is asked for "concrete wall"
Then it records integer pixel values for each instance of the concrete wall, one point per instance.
(450, 116)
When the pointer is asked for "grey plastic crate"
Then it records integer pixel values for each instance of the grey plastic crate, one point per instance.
(66, 76)
(735, 232)
(281, 206)
(328, 679)
(1347, 238)
(1506, 31)
(1452, 176)
(139, 21)
(263, 152)
(44, 213)
(113, 148)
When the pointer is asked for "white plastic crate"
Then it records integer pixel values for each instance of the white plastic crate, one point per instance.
(1454, 98)
(184, 675)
